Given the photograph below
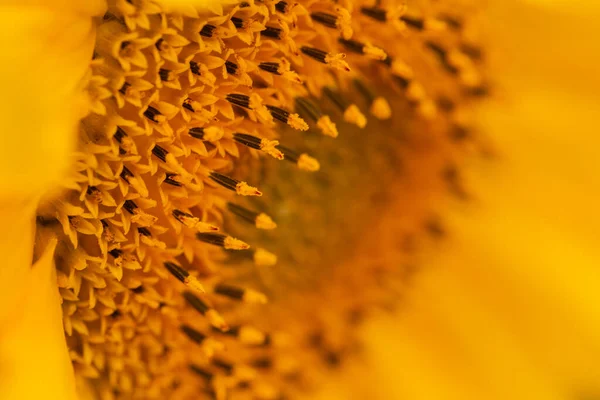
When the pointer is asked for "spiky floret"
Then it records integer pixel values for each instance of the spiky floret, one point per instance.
(185, 99)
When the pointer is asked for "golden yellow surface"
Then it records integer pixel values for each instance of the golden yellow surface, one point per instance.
(508, 307)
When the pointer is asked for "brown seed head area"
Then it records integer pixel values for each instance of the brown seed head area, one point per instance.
(290, 151)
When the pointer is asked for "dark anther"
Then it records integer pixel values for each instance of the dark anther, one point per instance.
(119, 134)
(238, 99)
(207, 30)
(231, 67)
(178, 272)
(91, 190)
(242, 212)
(151, 113)
(289, 154)
(195, 302)
(169, 179)
(238, 22)
(225, 181)
(233, 292)
(281, 7)
(316, 54)
(272, 32)
(271, 67)
(129, 205)
(197, 133)
(217, 239)
(376, 13)
(279, 113)
(138, 290)
(306, 106)
(160, 153)
(413, 22)
(187, 104)
(124, 88)
(126, 174)
(116, 253)
(326, 19)
(195, 68)
(248, 140)
(193, 334)
(201, 371)
(164, 74)
(352, 45)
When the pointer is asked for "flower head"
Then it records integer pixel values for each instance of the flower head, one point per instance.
(183, 103)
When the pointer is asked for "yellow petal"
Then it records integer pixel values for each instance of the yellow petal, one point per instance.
(46, 53)
(33, 350)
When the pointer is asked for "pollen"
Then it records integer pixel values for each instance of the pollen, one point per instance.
(337, 61)
(308, 163)
(263, 257)
(234, 244)
(270, 147)
(263, 221)
(244, 189)
(380, 108)
(252, 296)
(251, 336)
(355, 116)
(296, 122)
(327, 126)
(374, 52)
(194, 283)
(213, 133)
(339, 112)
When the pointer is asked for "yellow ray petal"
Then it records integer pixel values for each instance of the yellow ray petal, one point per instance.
(46, 54)
(33, 350)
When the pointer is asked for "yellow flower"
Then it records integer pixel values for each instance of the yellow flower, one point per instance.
(174, 98)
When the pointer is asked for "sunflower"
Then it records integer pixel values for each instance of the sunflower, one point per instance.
(175, 218)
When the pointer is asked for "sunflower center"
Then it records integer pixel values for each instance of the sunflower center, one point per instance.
(167, 171)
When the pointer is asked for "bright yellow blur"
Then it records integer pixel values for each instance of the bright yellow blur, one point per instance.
(510, 308)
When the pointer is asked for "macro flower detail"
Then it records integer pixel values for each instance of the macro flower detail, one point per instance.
(221, 146)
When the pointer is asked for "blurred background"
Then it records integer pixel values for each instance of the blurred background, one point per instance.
(509, 308)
